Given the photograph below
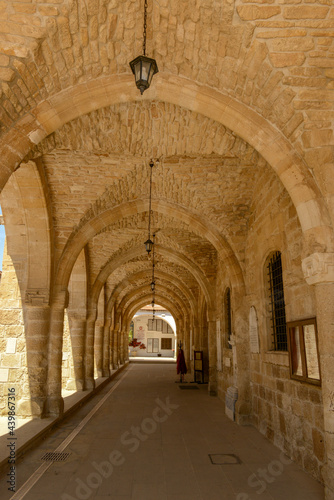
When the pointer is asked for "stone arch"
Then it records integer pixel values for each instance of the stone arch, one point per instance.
(29, 245)
(143, 301)
(137, 252)
(28, 231)
(130, 296)
(101, 220)
(70, 103)
(158, 274)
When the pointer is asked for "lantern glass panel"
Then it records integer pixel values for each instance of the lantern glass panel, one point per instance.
(138, 71)
(145, 70)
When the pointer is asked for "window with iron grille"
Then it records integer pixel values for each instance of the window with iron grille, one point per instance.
(277, 304)
(228, 317)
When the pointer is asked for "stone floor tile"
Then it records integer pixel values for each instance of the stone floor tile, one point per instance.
(171, 462)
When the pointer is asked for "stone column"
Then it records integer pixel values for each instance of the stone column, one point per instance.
(98, 347)
(112, 341)
(196, 336)
(186, 345)
(319, 272)
(115, 349)
(106, 349)
(241, 358)
(121, 346)
(55, 403)
(212, 358)
(126, 346)
(37, 323)
(325, 325)
(89, 349)
(77, 322)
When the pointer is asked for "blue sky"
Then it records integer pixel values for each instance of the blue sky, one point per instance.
(2, 241)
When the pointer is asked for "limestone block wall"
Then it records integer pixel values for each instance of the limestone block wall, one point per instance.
(287, 412)
(13, 361)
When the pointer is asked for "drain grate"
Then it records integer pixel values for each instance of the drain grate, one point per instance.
(225, 459)
(51, 456)
(189, 387)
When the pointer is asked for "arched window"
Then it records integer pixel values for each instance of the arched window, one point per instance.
(228, 317)
(276, 302)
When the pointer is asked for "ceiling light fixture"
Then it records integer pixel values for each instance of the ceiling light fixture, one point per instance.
(153, 279)
(144, 67)
(149, 243)
(153, 265)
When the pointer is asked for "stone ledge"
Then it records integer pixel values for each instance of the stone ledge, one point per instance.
(276, 358)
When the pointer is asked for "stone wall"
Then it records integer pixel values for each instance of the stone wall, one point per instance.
(287, 412)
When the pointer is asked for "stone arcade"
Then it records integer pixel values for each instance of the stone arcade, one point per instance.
(241, 116)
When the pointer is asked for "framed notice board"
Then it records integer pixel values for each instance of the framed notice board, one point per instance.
(198, 365)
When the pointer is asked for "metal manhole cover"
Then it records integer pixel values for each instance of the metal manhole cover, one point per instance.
(189, 387)
(55, 457)
(224, 459)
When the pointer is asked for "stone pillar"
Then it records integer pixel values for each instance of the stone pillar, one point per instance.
(77, 322)
(241, 358)
(112, 341)
(325, 325)
(126, 346)
(121, 346)
(89, 349)
(319, 272)
(106, 350)
(55, 403)
(186, 345)
(98, 348)
(37, 323)
(115, 349)
(212, 358)
(196, 336)
(180, 334)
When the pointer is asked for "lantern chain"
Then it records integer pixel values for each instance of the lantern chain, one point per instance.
(145, 27)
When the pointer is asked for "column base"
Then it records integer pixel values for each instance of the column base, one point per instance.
(89, 384)
(55, 406)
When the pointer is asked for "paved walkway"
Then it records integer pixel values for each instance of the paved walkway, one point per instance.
(151, 440)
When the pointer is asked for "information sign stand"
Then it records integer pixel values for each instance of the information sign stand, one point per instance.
(198, 366)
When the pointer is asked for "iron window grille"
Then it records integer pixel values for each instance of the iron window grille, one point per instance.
(277, 304)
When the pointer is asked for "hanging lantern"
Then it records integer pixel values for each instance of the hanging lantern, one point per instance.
(144, 67)
(148, 245)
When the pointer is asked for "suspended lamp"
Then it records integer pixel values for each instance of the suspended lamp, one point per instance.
(149, 243)
(144, 67)
(153, 266)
